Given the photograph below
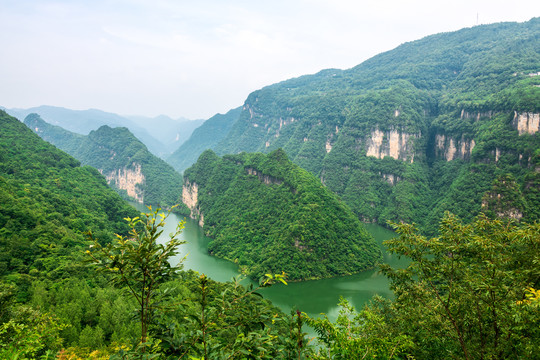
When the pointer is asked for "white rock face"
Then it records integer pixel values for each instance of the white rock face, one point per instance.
(128, 179)
(328, 146)
(190, 197)
(526, 123)
(391, 178)
(398, 145)
(452, 149)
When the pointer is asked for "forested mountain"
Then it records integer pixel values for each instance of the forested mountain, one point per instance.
(427, 127)
(84, 121)
(47, 201)
(125, 161)
(269, 215)
(54, 305)
(207, 136)
(161, 135)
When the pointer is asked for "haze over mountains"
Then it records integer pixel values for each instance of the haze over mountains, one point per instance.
(162, 135)
(124, 160)
(411, 133)
(447, 123)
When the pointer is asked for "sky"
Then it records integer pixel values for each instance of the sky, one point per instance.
(194, 59)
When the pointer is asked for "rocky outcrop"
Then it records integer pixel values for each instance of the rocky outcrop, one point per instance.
(391, 178)
(526, 123)
(393, 143)
(128, 179)
(477, 115)
(452, 149)
(266, 179)
(190, 197)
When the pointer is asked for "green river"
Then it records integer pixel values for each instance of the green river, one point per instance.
(312, 297)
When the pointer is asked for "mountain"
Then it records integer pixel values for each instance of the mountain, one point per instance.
(207, 136)
(48, 202)
(171, 133)
(269, 215)
(124, 160)
(430, 126)
(84, 121)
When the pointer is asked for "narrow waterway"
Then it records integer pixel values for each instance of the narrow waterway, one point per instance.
(312, 297)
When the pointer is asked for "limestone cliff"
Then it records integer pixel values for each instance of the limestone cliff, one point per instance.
(128, 179)
(451, 149)
(396, 144)
(190, 197)
(526, 123)
(266, 179)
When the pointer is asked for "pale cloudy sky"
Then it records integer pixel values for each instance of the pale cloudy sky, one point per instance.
(200, 57)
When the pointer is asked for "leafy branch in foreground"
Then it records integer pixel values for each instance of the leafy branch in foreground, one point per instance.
(139, 263)
(470, 292)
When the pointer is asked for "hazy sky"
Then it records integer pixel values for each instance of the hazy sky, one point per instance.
(196, 58)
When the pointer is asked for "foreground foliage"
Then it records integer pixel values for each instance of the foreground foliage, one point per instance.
(139, 263)
(470, 293)
(463, 293)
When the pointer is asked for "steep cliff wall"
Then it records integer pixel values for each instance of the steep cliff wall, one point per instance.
(266, 179)
(526, 123)
(396, 144)
(451, 149)
(190, 197)
(127, 179)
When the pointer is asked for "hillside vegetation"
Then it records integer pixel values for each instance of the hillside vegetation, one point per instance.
(52, 303)
(269, 215)
(206, 136)
(427, 127)
(125, 161)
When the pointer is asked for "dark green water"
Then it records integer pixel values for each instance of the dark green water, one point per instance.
(312, 297)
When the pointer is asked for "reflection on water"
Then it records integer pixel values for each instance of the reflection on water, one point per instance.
(312, 297)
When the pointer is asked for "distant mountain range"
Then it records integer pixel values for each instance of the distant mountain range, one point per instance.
(207, 136)
(438, 124)
(162, 135)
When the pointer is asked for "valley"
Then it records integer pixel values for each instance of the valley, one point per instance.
(432, 147)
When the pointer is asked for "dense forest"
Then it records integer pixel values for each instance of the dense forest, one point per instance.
(54, 302)
(408, 134)
(446, 124)
(269, 215)
(125, 161)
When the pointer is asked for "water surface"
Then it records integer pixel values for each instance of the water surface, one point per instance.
(312, 297)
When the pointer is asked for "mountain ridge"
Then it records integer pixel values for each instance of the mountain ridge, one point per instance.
(414, 131)
(124, 160)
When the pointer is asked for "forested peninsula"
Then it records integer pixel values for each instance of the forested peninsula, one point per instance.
(269, 215)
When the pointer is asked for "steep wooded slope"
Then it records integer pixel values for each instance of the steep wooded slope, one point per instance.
(125, 161)
(427, 127)
(47, 203)
(270, 215)
(207, 136)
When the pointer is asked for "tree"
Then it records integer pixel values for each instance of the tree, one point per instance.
(360, 335)
(139, 263)
(467, 293)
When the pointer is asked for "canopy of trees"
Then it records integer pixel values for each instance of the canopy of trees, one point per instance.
(269, 215)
